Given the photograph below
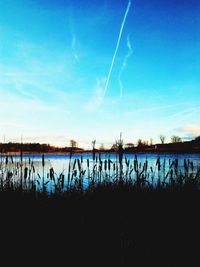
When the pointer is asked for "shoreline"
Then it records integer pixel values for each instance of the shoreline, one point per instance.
(101, 152)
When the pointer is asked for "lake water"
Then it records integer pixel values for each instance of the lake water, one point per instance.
(82, 165)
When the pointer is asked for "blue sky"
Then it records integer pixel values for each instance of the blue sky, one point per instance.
(55, 58)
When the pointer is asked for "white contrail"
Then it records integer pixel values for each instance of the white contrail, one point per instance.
(117, 46)
(124, 64)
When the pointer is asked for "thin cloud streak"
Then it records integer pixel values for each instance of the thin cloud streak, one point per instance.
(97, 98)
(73, 33)
(22, 83)
(155, 108)
(116, 49)
(73, 45)
(124, 64)
(182, 115)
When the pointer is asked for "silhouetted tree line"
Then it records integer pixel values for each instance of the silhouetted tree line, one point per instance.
(177, 145)
(33, 148)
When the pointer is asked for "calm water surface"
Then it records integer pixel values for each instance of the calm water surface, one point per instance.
(60, 161)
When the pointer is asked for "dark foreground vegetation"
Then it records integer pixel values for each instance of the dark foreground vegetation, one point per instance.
(113, 226)
(115, 221)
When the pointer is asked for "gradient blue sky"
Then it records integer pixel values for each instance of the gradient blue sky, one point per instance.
(55, 58)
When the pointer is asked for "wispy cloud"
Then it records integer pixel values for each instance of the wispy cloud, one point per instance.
(74, 48)
(184, 114)
(116, 49)
(155, 108)
(20, 88)
(18, 85)
(19, 103)
(124, 64)
(72, 32)
(97, 97)
(11, 125)
(192, 130)
(33, 85)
